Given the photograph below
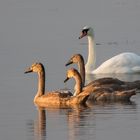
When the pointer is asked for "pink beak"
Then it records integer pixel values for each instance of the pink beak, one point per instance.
(82, 35)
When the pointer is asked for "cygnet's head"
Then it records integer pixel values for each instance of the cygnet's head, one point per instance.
(75, 59)
(86, 31)
(35, 67)
(71, 73)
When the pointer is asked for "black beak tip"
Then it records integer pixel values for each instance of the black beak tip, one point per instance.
(69, 63)
(66, 64)
(66, 80)
(28, 71)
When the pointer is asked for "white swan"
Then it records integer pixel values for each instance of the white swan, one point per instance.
(123, 63)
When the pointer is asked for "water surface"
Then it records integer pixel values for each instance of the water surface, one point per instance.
(47, 32)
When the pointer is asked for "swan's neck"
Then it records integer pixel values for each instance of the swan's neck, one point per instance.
(81, 66)
(41, 83)
(78, 86)
(90, 65)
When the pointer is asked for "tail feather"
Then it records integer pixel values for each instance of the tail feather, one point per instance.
(136, 69)
(126, 95)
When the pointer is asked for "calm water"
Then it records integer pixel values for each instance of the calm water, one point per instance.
(48, 31)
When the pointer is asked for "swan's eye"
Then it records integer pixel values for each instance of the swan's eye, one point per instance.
(85, 30)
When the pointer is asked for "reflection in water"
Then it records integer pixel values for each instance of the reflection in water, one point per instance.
(38, 127)
(41, 124)
(123, 77)
(78, 125)
(82, 123)
(79, 122)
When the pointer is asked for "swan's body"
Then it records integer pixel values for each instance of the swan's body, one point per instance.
(102, 93)
(106, 94)
(122, 63)
(112, 83)
(105, 88)
(55, 98)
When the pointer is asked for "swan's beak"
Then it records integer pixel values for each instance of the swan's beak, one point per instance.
(69, 63)
(28, 71)
(82, 34)
(66, 80)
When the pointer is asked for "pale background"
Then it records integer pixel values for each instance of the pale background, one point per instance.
(47, 31)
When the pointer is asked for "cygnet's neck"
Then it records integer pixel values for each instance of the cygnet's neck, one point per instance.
(41, 83)
(90, 65)
(78, 86)
(81, 66)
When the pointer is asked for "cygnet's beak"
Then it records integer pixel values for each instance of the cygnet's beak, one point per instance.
(28, 71)
(69, 63)
(66, 80)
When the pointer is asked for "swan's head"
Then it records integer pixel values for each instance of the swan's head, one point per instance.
(71, 73)
(86, 31)
(75, 59)
(36, 67)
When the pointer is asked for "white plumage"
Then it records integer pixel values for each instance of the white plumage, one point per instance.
(123, 63)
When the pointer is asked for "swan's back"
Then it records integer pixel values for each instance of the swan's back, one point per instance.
(55, 98)
(105, 81)
(106, 94)
(122, 63)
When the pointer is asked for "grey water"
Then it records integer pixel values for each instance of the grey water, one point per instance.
(47, 31)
